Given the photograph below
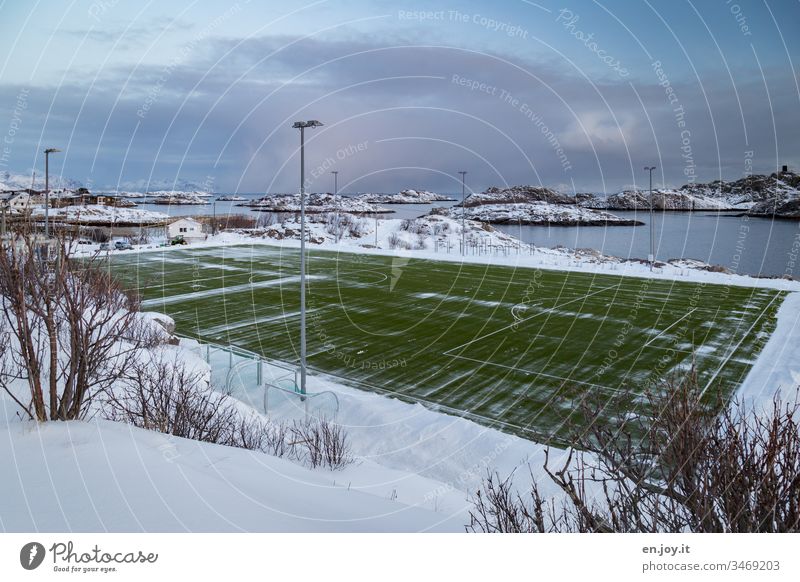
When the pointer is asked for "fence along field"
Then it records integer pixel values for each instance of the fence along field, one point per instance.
(521, 349)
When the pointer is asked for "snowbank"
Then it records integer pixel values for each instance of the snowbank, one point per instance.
(778, 365)
(105, 476)
(93, 214)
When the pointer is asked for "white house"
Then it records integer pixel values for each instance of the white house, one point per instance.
(188, 228)
(19, 201)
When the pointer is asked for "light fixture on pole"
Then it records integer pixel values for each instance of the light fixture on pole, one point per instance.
(302, 125)
(335, 200)
(652, 256)
(47, 153)
(463, 215)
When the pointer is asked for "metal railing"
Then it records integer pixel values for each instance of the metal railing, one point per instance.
(265, 384)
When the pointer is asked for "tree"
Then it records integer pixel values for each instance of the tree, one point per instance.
(73, 330)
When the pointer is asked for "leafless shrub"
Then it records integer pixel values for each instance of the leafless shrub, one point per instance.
(99, 235)
(357, 227)
(441, 228)
(165, 396)
(234, 221)
(395, 242)
(266, 219)
(415, 226)
(140, 238)
(498, 508)
(689, 466)
(320, 443)
(74, 327)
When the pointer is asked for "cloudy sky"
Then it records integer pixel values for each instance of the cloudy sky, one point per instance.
(575, 95)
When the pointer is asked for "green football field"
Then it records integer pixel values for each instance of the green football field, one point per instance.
(518, 348)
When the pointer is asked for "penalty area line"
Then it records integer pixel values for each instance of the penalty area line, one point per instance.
(511, 325)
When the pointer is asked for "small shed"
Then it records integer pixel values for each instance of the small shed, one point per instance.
(190, 229)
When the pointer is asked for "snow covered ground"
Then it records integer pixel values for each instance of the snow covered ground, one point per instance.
(415, 468)
(105, 215)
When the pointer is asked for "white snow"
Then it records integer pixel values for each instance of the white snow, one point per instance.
(777, 367)
(315, 203)
(536, 212)
(98, 214)
(406, 197)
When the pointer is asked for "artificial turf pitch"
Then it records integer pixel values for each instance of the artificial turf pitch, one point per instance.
(519, 348)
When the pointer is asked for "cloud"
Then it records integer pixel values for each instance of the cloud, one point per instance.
(223, 108)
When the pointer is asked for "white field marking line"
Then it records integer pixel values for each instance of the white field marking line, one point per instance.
(259, 320)
(663, 331)
(529, 318)
(736, 347)
(526, 371)
(233, 289)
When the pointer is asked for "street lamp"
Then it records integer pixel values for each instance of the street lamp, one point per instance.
(463, 215)
(302, 125)
(47, 153)
(335, 201)
(652, 256)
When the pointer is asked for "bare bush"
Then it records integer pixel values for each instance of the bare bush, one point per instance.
(266, 219)
(73, 327)
(416, 226)
(498, 508)
(99, 235)
(320, 443)
(441, 228)
(234, 221)
(688, 467)
(357, 227)
(339, 224)
(165, 396)
(396, 242)
(140, 238)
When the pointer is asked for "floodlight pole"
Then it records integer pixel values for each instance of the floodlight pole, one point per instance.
(47, 153)
(652, 256)
(336, 200)
(463, 215)
(302, 125)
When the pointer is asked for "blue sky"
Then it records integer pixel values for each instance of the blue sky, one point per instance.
(577, 95)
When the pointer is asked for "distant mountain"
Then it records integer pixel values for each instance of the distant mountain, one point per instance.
(167, 184)
(19, 181)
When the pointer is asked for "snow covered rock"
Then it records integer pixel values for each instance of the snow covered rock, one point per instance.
(662, 200)
(517, 195)
(406, 197)
(315, 203)
(539, 213)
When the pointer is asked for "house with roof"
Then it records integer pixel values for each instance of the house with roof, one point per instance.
(189, 229)
(18, 201)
